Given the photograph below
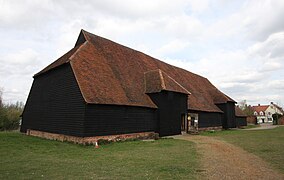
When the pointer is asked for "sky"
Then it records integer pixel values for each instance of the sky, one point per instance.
(237, 45)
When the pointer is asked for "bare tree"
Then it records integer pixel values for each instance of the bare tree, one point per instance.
(247, 109)
(242, 104)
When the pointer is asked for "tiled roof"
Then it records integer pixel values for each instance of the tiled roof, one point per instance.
(279, 108)
(239, 112)
(62, 60)
(260, 108)
(110, 73)
(157, 80)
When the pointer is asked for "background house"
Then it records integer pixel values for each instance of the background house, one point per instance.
(264, 113)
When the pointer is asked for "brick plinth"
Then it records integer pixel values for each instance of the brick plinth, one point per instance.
(210, 128)
(91, 140)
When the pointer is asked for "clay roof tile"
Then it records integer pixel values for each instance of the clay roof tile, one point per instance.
(110, 73)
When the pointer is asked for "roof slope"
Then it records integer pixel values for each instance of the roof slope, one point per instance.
(279, 108)
(157, 80)
(110, 73)
(62, 60)
(260, 108)
(239, 112)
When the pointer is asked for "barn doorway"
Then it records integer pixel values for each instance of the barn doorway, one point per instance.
(183, 124)
(192, 122)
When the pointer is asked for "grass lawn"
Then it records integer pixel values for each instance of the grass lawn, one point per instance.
(24, 157)
(249, 126)
(267, 144)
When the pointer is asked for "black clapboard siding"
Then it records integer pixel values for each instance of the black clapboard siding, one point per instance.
(55, 104)
(114, 119)
(228, 118)
(208, 119)
(241, 121)
(171, 106)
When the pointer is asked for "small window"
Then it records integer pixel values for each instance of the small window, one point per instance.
(255, 113)
(261, 113)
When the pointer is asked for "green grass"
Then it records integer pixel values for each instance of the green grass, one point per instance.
(267, 144)
(249, 126)
(24, 157)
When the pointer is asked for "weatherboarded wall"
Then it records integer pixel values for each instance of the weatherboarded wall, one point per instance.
(171, 107)
(114, 119)
(228, 118)
(208, 119)
(241, 121)
(55, 104)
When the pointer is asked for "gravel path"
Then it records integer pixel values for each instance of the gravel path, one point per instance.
(263, 126)
(221, 160)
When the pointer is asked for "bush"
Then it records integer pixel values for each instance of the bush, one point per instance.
(10, 116)
(276, 117)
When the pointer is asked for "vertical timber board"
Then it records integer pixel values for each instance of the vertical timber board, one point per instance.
(55, 103)
(118, 119)
(171, 106)
(228, 118)
(241, 121)
(208, 119)
(231, 115)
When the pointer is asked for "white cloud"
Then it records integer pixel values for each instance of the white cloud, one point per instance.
(172, 47)
(237, 45)
(182, 26)
(254, 73)
(25, 56)
(272, 46)
(16, 71)
(198, 6)
(263, 18)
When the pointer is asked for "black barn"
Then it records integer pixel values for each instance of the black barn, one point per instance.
(241, 118)
(103, 88)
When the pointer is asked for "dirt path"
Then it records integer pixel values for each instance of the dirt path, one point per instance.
(221, 160)
(263, 126)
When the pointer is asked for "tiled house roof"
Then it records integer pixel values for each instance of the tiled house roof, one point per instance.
(110, 73)
(260, 108)
(279, 108)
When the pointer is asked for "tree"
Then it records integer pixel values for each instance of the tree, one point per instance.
(276, 117)
(10, 114)
(1, 102)
(242, 104)
(247, 109)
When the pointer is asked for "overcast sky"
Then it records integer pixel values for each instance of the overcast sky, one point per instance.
(237, 45)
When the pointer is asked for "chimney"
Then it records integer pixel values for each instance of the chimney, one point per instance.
(258, 104)
(271, 102)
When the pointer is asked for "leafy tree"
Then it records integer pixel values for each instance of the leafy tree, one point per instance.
(1, 91)
(276, 117)
(247, 109)
(10, 114)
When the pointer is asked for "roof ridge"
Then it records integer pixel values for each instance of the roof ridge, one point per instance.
(77, 50)
(261, 106)
(163, 84)
(102, 58)
(66, 58)
(87, 35)
(176, 82)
